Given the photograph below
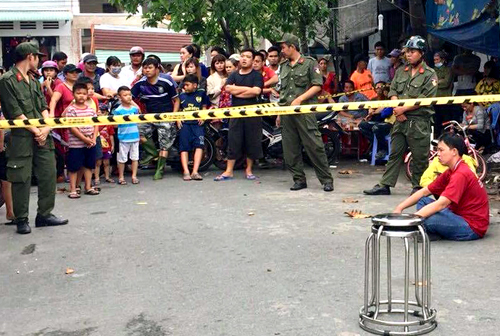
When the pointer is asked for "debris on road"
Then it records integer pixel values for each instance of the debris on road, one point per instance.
(357, 214)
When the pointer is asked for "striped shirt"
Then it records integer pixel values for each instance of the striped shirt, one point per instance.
(127, 132)
(158, 96)
(88, 131)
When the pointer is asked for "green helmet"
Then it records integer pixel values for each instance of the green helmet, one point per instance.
(416, 42)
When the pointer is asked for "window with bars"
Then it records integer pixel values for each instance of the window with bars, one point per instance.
(28, 25)
(51, 25)
(8, 25)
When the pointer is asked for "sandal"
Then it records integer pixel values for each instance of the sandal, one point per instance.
(74, 195)
(110, 180)
(196, 177)
(251, 177)
(186, 177)
(92, 192)
(223, 178)
(135, 181)
(122, 182)
(79, 190)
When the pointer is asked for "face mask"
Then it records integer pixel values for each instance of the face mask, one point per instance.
(116, 70)
(438, 65)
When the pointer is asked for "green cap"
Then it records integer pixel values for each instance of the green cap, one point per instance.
(27, 48)
(290, 39)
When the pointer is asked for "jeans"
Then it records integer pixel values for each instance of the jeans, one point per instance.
(447, 224)
(379, 129)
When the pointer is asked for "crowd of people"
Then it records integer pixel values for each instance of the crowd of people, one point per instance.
(281, 74)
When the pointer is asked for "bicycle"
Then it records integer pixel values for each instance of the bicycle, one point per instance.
(451, 126)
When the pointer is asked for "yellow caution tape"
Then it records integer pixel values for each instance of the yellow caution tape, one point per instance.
(347, 93)
(242, 112)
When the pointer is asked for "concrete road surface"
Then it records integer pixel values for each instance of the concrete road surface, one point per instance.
(233, 258)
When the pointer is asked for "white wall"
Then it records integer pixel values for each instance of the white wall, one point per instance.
(64, 30)
(30, 5)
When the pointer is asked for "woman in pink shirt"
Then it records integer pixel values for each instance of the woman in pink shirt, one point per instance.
(61, 99)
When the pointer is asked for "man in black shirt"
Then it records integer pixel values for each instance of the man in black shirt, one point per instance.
(245, 134)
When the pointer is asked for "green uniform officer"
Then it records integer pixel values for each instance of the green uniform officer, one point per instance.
(30, 149)
(413, 124)
(300, 84)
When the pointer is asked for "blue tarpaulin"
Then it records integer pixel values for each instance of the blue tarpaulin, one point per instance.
(470, 24)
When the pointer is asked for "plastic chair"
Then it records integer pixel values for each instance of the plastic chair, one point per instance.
(375, 147)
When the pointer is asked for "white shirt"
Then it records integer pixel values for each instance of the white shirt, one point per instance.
(112, 83)
(214, 86)
(129, 75)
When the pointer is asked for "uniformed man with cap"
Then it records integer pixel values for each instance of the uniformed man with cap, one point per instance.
(300, 84)
(30, 149)
(413, 124)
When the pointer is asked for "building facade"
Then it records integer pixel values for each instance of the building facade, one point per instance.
(72, 25)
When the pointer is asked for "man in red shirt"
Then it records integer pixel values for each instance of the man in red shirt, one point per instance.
(269, 76)
(462, 211)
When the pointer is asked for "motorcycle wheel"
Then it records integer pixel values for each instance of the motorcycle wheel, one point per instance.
(220, 156)
(408, 169)
(208, 155)
(331, 142)
(206, 160)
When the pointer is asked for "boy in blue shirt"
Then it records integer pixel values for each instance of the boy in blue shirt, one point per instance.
(192, 134)
(128, 137)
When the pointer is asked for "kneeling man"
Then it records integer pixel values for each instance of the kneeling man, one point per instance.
(461, 211)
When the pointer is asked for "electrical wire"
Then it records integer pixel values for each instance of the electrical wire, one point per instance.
(351, 5)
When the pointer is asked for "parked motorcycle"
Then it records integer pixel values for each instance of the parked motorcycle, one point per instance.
(272, 145)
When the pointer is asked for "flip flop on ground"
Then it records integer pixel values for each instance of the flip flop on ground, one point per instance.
(74, 195)
(196, 177)
(92, 192)
(222, 177)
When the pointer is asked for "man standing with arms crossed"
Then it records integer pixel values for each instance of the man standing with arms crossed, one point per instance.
(413, 124)
(300, 84)
(30, 149)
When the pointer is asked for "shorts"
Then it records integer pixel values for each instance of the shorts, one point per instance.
(245, 138)
(126, 150)
(106, 155)
(98, 148)
(191, 136)
(81, 157)
(166, 133)
(3, 166)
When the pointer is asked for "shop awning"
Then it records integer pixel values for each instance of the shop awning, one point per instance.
(470, 24)
(7, 16)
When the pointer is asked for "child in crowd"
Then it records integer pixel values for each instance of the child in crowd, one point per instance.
(107, 148)
(49, 79)
(93, 103)
(82, 141)
(193, 67)
(128, 136)
(192, 133)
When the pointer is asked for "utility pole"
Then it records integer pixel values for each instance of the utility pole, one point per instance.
(333, 45)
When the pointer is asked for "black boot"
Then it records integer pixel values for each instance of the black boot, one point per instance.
(328, 186)
(49, 220)
(299, 185)
(378, 189)
(23, 226)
